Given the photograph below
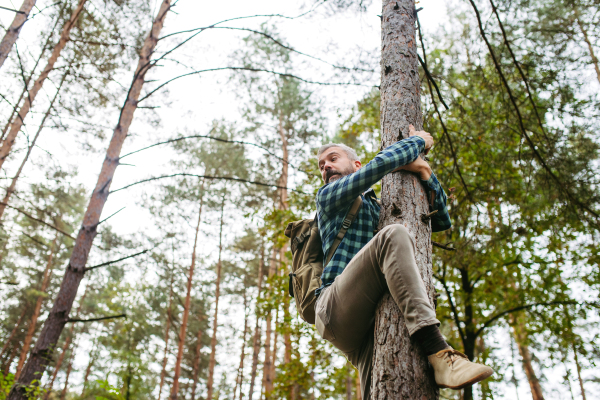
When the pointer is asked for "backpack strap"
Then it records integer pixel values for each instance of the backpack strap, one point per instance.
(348, 219)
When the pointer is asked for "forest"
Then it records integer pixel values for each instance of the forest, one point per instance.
(153, 152)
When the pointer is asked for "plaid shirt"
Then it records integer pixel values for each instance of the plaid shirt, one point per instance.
(335, 199)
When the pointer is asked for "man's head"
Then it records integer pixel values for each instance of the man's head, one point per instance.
(337, 160)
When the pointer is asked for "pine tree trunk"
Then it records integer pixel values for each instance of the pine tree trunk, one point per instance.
(12, 33)
(17, 124)
(274, 354)
(13, 332)
(521, 340)
(349, 382)
(65, 348)
(37, 309)
(240, 375)
(88, 369)
(59, 314)
(167, 330)
(213, 341)
(268, 367)
(197, 360)
(13, 183)
(400, 369)
(257, 330)
(26, 85)
(186, 307)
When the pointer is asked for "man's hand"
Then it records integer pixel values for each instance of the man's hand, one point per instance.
(419, 166)
(425, 135)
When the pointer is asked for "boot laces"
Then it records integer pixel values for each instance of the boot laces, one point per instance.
(451, 355)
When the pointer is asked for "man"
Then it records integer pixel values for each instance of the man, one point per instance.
(367, 265)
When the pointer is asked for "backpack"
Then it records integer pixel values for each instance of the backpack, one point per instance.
(307, 259)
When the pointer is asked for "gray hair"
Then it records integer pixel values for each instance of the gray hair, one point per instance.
(348, 150)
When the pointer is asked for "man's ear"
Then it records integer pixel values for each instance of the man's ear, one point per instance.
(357, 165)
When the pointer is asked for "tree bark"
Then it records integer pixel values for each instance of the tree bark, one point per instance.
(240, 375)
(13, 183)
(36, 310)
(400, 369)
(58, 316)
(186, 307)
(197, 360)
(17, 124)
(213, 341)
(12, 33)
(257, 330)
(521, 339)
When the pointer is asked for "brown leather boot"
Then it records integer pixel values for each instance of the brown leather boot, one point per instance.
(453, 369)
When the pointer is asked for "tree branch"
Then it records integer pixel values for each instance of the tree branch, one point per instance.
(443, 246)
(227, 178)
(120, 259)
(38, 220)
(97, 319)
(283, 74)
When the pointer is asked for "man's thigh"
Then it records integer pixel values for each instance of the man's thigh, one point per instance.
(349, 304)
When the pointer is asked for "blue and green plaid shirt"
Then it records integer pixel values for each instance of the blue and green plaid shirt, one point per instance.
(334, 201)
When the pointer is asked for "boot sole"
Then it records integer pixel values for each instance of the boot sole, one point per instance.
(470, 382)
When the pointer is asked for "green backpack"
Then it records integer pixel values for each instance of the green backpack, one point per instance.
(307, 259)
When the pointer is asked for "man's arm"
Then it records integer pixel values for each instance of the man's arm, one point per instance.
(344, 190)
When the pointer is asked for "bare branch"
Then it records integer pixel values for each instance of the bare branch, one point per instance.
(283, 74)
(119, 260)
(443, 246)
(38, 220)
(226, 178)
(97, 319)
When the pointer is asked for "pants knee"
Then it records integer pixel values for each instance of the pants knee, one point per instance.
(397, 233)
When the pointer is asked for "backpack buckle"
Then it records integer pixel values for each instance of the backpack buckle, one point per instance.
(346, 224)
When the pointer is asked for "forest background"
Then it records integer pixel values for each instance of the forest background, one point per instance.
(235, 134)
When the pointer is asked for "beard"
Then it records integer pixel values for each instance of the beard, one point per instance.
(333, 174)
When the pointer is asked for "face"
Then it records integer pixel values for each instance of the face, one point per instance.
(334, 164)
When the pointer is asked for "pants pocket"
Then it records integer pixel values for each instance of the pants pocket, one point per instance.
(322, 321)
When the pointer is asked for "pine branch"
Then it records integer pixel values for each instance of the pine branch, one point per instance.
(119, 260)
(97, 319)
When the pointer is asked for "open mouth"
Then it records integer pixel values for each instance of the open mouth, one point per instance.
(332, 175)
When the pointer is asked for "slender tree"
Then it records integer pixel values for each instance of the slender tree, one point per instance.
(257, 330)
(12, 33)
(397, 363)
(18, 122)
(59, 314)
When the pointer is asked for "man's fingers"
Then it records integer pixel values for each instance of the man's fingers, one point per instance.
(411, 130)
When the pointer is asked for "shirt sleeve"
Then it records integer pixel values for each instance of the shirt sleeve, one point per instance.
(341, 192)
(440, 221)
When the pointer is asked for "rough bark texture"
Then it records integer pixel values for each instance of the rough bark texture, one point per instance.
(186, 307)
(16, 125)
(213, 341)
(400, 369)
(59, 315)
(257, 330)
(12, 33)
(196, 368)
(13, 183)
(37, 309)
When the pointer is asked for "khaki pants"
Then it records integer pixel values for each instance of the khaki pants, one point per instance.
(345, 311)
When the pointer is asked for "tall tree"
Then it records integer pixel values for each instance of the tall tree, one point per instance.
(59, 315)
(12, 33)
(399, 368)
(18, 122)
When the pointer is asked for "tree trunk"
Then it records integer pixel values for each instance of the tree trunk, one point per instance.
(240, 375)
(197, 359)
(521, 339)
(167, 330)
(88, 369)
(213, 341)
(13, 332)
(13, 183)
(18, 122)
(578, 371)
(12, 33)
(590, 48)
(186, 307)
(37, 309)
(257, 330)
(267, 381)
(349, 382)
(26, 85)
(62, 306)
(400, 369)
